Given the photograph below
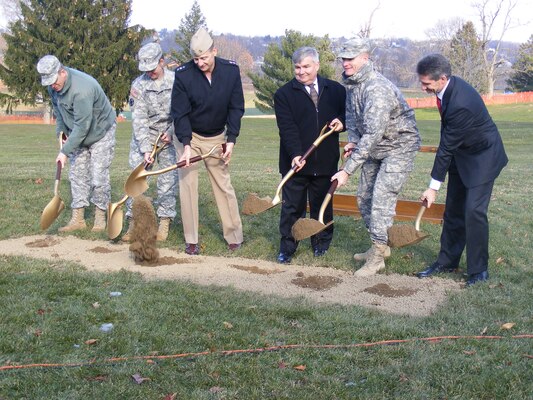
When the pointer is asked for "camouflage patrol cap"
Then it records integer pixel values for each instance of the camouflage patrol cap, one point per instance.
(48, 66)
(353, 47)
(149, 56)
(200, 42)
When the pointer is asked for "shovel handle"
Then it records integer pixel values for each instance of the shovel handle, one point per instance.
(58, 171)
(182, 163)
(327, 199)
(419, 215)
(318, 140)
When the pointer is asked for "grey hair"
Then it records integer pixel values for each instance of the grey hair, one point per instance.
(304, 52)
(434, 65)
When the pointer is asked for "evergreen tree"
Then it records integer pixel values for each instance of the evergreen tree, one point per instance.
(466, 57)
(278, 68)
(90, 35)
(189, 24)
(521, 79)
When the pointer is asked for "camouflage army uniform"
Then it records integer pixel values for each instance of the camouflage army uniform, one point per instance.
(150, 104)
(383, 126)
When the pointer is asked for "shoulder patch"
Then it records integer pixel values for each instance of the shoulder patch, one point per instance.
(134, 92)
(131, 102)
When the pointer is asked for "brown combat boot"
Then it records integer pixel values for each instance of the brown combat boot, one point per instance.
(162, 231)
(77, 221)
(374, 262)
(99, 220)
(364, 256)
(127, 236)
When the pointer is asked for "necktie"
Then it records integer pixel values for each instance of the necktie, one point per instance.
(439, 105)
(313, 93)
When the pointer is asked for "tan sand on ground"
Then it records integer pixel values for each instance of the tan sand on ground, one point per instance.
(398, 294)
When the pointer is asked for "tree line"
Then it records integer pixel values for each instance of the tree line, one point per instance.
(95, 36)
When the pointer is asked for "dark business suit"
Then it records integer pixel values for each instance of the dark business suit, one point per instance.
(472, 153)
(299, 123)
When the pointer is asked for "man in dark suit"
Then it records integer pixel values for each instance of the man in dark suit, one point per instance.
(471, 152)
(303, 106)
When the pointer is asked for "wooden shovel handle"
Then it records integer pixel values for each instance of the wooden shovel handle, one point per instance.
(58, 171)
(323, 134)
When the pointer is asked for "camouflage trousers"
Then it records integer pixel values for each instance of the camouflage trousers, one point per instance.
(167, 183)
(379, 186)
(89, 172)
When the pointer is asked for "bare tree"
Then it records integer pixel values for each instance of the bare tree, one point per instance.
(443, 31)
(233, 50)
(491, 12)
(366, 28)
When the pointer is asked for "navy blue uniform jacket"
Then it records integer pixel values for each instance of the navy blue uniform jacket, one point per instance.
(469, 139)
(207, 108)
(300, 123)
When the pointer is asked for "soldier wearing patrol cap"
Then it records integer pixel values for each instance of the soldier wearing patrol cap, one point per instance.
(85, 115)
(150, 105)
(383, 142)
(207, 107)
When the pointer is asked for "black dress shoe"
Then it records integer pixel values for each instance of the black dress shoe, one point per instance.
(435, 268)
(284, 258)
(479, 277)
(319, 252)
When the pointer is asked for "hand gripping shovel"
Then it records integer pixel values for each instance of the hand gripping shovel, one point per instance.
(115, 216)
(254, 205)
(136, 183)
(405, 235)
(306, 227)
(56, 205)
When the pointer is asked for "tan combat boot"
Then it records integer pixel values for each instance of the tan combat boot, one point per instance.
(99, 220)
(162, 231)
(127, 236)
(374, 262)
(77, 221)
(364, 256)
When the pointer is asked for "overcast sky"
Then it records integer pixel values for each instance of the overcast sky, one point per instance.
(394, 18)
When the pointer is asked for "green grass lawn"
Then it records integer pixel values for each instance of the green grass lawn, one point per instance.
(47, 312)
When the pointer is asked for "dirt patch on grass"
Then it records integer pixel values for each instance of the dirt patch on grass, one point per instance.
(393, 293)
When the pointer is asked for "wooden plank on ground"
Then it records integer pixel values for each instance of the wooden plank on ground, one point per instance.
(406, 210)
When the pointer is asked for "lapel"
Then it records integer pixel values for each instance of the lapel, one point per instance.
(447, 96)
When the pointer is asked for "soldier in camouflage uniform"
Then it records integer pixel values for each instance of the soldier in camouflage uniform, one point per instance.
(150, 104)
(85, 115)
(383, 141)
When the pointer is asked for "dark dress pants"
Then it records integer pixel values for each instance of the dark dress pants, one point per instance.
(466, 224)
(296, 191)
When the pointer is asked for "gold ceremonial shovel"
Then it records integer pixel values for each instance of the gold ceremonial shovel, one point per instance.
(405, 235)
(307, 227)
(56, 205)
(254, 205)
(115, 216)
(136, 183)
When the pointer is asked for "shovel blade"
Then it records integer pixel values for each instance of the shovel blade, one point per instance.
(307, 227)
(115, 218)
(404, 235)
(51, 212)
(254, 205)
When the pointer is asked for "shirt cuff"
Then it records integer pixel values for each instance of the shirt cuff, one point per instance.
(434, 184)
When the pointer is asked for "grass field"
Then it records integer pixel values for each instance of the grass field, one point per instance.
(47, 314)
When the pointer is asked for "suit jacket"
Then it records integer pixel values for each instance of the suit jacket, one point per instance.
(469, 139)
(300, 123)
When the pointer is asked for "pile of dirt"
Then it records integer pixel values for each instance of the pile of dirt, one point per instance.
(398, 294)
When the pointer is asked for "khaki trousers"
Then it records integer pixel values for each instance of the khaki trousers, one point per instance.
(219, 177)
